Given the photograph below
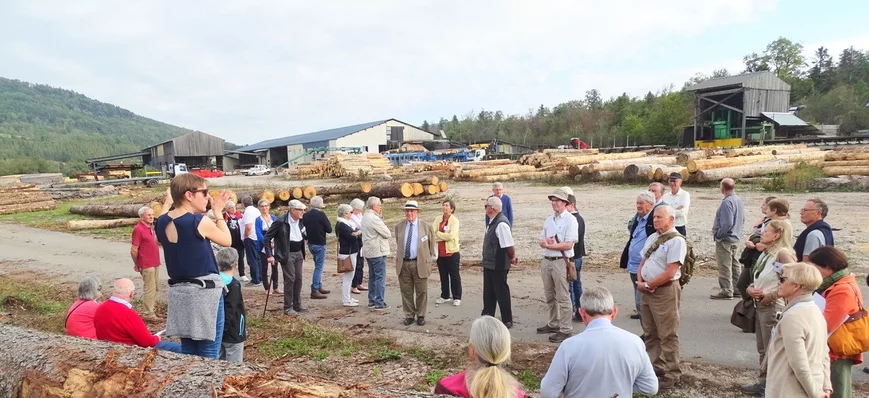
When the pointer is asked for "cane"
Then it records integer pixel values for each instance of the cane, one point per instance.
(268, 293)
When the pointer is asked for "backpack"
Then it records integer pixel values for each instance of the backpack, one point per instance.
(687, 268)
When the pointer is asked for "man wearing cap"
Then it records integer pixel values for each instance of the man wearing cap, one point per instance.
(288, 234)
(417, 250)
(498, 255)
(557, 238)
(680, 199)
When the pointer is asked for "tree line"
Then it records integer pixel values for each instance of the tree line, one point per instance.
(827, 89)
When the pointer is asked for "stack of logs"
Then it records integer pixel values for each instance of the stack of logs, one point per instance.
(20, 198)
(342, 165)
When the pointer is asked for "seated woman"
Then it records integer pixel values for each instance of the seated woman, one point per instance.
(489, 349)
(80, 317)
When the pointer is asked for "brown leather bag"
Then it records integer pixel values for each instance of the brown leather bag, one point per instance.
(344, 264)
(571, 268)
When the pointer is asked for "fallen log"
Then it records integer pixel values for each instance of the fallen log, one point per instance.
(846, 171)
(696, 165)
(391, 190)
(432, 189)
(495, 170)
(298, 193)
(18, 187)
(639, 172)
(268, 195)
(443, 186)
(417, 189)
(28, 207)
(845, 163)
(839, 156)
(97, 224)
(309, 191)
(816, 156)
(620, 164)
(284, 195)
(683, 157)
(761, 150)
(109, 210)
(663, 173)
(343, 189)
(793, 151)
(749, 170)
(607, 175)
(586, 159)
(24, 197)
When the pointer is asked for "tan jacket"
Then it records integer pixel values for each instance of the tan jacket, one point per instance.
(427, 250)
(375, 236)
(798, 364)
(451, 237)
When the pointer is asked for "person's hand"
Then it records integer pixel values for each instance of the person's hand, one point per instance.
(515, 261)
(544, 244)
(767, 299)
(749, 244)
(270, 260)
(220, 201)
(827, 394)
(760, 247)
(137, 269)
(273, 245)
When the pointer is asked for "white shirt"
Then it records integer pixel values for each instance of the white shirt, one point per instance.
(681, 198)
(251, 213)
(414, 242)
(122, 301)
(267, 223)
(671, 251)
(602, 361)
(565, 227)
(357, 220)
(505, 236)
(295, 230)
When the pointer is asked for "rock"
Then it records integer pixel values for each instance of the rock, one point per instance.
(840, 183)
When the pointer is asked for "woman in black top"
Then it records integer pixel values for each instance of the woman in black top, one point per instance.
(348, 246)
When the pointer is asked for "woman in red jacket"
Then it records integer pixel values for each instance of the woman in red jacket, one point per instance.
(80, 316)
(843, 297)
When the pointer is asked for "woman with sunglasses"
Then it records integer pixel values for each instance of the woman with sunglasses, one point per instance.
(776, 241)
(263, 223)
(797, 361)
(195, 295)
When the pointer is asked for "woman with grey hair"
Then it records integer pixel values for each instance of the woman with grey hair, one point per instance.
(348, 247)
(357, 287)
(262, 224)
(80, 316)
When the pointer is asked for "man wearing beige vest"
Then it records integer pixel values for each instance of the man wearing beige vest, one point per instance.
(416, 252)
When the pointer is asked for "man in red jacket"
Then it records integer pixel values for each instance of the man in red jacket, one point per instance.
(116, 321)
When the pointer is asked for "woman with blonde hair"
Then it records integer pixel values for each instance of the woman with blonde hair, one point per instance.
(489, 350)
(798, 364)
(776, 239)
(753, 248)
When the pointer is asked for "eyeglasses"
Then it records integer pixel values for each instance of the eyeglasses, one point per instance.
(807, 210)
(203, 191)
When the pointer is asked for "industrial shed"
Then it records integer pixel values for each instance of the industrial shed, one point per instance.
(196, 149)
(373, 137)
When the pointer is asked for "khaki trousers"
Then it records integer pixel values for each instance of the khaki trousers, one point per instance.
(660, 315)
(557, 295)
(764, 322)
(149, 280)
(414, 290)
(729, 266)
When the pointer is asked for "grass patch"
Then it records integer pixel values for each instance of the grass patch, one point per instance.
(57, 219)
(385, 354)
(35, 305)
(529, 380)
(305, 340)
(433, 376)
(797, 180)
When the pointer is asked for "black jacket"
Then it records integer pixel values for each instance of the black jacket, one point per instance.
(347, 243)
(234, 327)
(279, 232)
(579, 246)
(317, 225)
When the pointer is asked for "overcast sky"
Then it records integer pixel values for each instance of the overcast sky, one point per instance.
(252, 70)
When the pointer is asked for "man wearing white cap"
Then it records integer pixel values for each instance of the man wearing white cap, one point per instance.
(288, 234)
(557, 239)
(417, 250)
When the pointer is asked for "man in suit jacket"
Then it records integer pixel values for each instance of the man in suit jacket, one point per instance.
(417, 251)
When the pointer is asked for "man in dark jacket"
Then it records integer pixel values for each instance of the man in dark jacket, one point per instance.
(578, 254)
(318, 226)
(498, 255)
(817, 233)
(234, 326)
(288, 233)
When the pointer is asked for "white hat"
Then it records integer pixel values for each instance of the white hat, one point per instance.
(560, 194)
(295, 204)
(411, 205)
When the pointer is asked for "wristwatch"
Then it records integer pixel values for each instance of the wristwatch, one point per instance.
(648, 288)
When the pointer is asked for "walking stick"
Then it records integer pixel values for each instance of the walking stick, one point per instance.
(268, 293)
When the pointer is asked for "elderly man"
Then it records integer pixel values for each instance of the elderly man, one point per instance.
(680, 199)
(657, 189)
(116, 321)
(603, 360)
(146, 258)
(727, 231)
(817, 233)
(248, 235)
(357, 286)
(498, 255)
(288, 235)
(375, 248)
(417, 251)
(557, 239)
(639, 228)
(506, 202)
(658, 280)
(575, 287)
(318, 226)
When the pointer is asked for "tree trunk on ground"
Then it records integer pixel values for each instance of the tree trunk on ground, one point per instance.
(847, 171)
(417, 189)
(297, 193)
(620, 164)
(309, 191)
(696, 165)
(96, 224)
(846, 163)
(495, 170)
(284, 195)
(839, 156)
(23, 197)
(639, 172)
(443, 186)
(607, 175)
(761, 150)
(803, 157)
(342, 189)
(586, 159)
(663, 173)
(18, 188)
(28, 207)
(683, 157)
(749, 170)
(779, 152)
(391, 190)
(108, 210)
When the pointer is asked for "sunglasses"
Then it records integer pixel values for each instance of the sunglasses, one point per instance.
(203, 191)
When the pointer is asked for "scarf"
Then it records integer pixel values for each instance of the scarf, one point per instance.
(830, 280)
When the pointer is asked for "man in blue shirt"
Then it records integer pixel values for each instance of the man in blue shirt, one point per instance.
(639, 227)
(506, 203)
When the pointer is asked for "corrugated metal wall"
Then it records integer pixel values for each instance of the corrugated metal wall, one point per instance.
(198, 144)
(757, 101)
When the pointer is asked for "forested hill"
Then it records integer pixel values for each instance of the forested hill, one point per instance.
(48, 129)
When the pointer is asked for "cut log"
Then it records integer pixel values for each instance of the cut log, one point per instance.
(107, 210)
(24, 197)
(663, 173)
(847, 171)
(761, 150)
(157, 207)
(639, 172)
(17, 188)
(216, 192)
(568, 161)
(417, 189)
(607, 175)
(696, 165)
(97, 224)
(343, 189)
(839, 156)
(392, 190)
(683, 157)
(28, 207)
(588, 151)
(749, 170)
(309, 192)
(846, 163)
(495, 170)
(779, 152)
(620, 164)
(443, 186)
(268, 195)
(298, 193)
(432, 189)
(816, 156)
(284, 195)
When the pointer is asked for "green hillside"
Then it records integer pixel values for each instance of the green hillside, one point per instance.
(48, 129)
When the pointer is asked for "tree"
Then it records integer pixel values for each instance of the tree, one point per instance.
(782, 56)
(425, 126)
(593, 100)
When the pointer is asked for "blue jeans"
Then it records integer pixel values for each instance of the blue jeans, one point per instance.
(319, 254)
(376, 281)
(206, 348)
(169, 346)
(575, 287)
(252, 254)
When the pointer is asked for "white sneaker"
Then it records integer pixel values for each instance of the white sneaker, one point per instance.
(245, 279)
(442, 300)
(457, 303)
(351, 304)
(353, 300)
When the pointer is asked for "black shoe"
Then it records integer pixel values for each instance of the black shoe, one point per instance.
(635, 315)
(643, 337)
(558, 337)
(546, 329)
(754, 390)
(419, 321)
(300, 309)
(509, 325)
(407, 321)
(866, 369)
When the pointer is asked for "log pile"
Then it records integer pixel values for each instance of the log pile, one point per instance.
(343, 165)
(114, 209)
(23, 198)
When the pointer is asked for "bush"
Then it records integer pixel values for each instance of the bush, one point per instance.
(798, 179)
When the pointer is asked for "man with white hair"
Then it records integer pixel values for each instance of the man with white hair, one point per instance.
(318, 226)
(639, 228)
(116, 321)
(557, 238)
(603, 360)
(288, 234)
(498, 255)
(375, 248)
(506, 202)
(146, 258)
(658, 280)
(417, 252)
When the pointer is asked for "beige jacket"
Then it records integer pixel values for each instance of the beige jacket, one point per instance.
(798, 364)
(426, 251)
(451, 237)
(375, 235)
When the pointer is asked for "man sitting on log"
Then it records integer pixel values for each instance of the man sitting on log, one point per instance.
(116, 321)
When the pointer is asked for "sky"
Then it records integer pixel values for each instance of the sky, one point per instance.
(251, 70)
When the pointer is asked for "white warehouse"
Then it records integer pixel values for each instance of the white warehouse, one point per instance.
(371, 137)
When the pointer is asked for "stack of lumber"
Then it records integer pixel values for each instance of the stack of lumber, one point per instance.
(21, 198)
(343, 165)
(850, 161)
(306, 170)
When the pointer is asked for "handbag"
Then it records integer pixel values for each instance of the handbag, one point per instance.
(743, 315)
(344, 264)
(851, 337)
(571, 269)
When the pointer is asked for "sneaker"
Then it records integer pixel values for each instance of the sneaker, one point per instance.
(635, 314)
(354, 300)
(442, 300)
(558, 337)
(291, 312)
(457, 303)
(546, 329)
(355, 290)
(407, 321)
(362, 287)
(245, 278)
(300, 309)
(508, 324)
(351, 304)
(666, 384)
(252, 284)
(420, 321)
(371, 306)
(381, 307)
(754, 390)
(721, 296)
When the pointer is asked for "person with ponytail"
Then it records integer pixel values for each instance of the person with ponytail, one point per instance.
(489, 350)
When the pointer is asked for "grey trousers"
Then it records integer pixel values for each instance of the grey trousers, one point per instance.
(764, 322)
(232, 352)
(293, 281)
(729, 267)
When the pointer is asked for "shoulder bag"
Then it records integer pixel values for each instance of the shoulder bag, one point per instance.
(851, 337)
(344, 264)
(571, 268)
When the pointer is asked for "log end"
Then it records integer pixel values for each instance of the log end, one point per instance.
(406, 190)
(309, 191)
